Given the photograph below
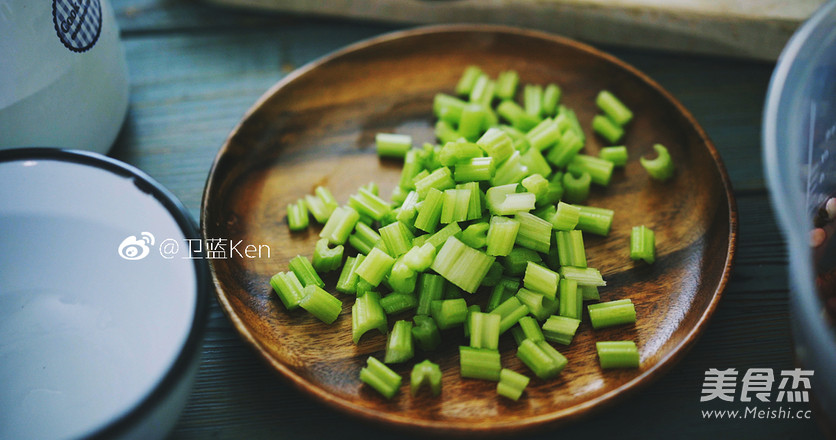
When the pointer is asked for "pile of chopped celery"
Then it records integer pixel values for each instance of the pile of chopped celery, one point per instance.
(484, 232)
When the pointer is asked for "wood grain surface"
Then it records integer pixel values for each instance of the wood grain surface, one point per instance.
(317, 127)
(195, 70)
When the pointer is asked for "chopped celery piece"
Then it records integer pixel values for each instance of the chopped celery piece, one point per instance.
(566, 217)
(430, 288)
(440, 179)
(448, 108)
(571, 300)
(468, 80)
(367, 314)
(517, 260)
(365, 202)
(530, 329)
(326, 259)
(419, 258)
(380, 377)
(305, 272)
(429, 212)
(504, 289)
(364, 238)
(455, 205)
(608, 129)
(545, 212)
(483, 90)
(453, 153)
(595, 220)
(412, 165)
(501, 236)
(599, 170)
(340, 224)
(533, 99)
(288, 288)
(566, 148)
(401, 278)
(544, 135)
(516, 115)
(576, 188)
(474, 169)
(570, 248)
(497, 144)
(589, 293)
(472, 121)
(506, 84)
(321, 304)
(511, 384)
(474, 207)
(534, 233)
(425, 373)
(475, 235)
(536, 184)
(533, 160)
(375, 266)
(541, 358)
(553, 194)
(551, 97)
(613, 107)
(617, 354)
(392, 145)
(462, 265)
(541, 280)
(397, 238)
(445, 132)
(510, 171)
(661, 167)
(398, 302)
(504, 200)
(484, 330)
(480, 363)
(510, 312)
(426, 333)
(608, 314)
(588, 276)
(538, 305)
(440, 237)
(297, 215)
(615, 154)
(399, 346)
(643, 244)
(470, 311)
(448, 313)
(318, 209)
(560, 329)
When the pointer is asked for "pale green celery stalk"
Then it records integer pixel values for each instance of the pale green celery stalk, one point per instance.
(570, 249)
(288, 288)
(367, 314)
(541, 280)
(661, 167)
(380, 377)
(534, 233)
(501, 236)
(321, 304)
(480, 363)
(462, 265)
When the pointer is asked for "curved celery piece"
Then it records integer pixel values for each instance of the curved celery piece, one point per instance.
(660, 168)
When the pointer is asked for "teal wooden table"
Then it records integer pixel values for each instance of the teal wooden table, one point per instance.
(196, 69)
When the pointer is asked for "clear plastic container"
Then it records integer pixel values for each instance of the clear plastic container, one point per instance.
(799, 140)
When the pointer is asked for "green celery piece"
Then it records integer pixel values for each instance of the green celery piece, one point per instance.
(618, 354)
(425, 373)
(321, 304)
(643, 244)
(380, 377)
(426, 333)
(399, 346)
(367, 314)
(480, 363)
(661, 167)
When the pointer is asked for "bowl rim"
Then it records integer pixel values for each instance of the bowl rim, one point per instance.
(464, 428)
(192, 348)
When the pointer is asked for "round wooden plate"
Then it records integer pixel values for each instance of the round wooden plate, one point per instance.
(317, 127)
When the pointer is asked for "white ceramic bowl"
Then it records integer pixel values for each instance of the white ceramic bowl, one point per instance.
(100, 335)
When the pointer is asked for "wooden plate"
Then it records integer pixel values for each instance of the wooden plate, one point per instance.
(317, 127)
